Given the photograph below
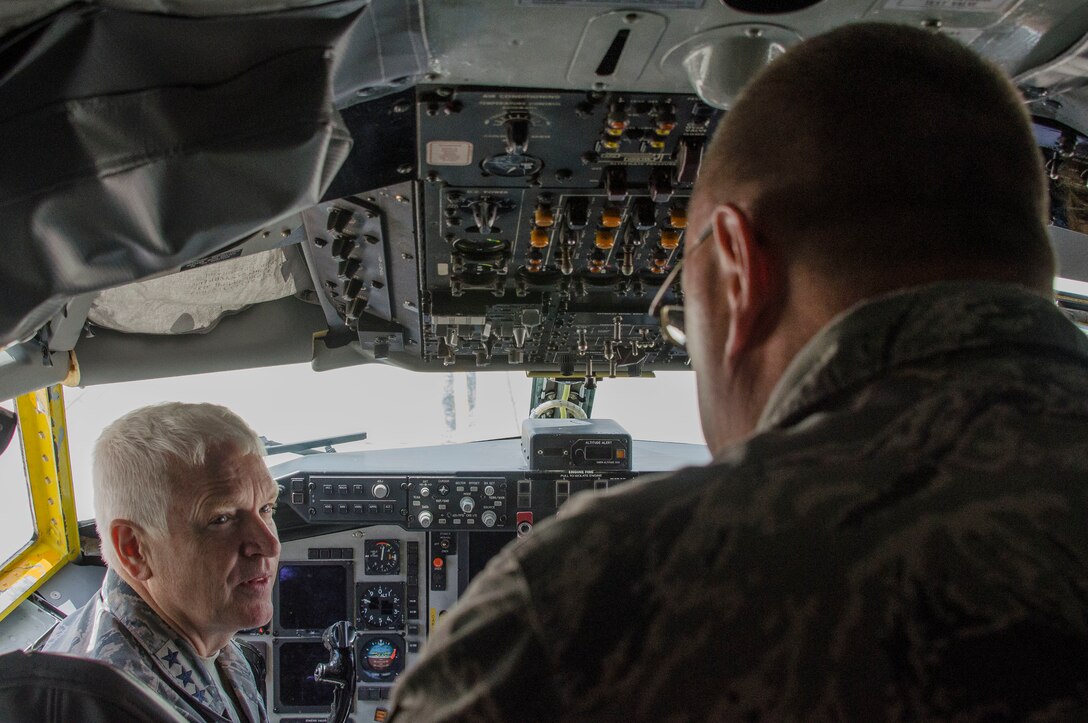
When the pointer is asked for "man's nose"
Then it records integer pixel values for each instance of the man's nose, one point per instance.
(261, 538)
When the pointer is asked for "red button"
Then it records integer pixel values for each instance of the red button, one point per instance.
(438, 562)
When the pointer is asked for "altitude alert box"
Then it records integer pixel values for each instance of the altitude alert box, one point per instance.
(561, 445)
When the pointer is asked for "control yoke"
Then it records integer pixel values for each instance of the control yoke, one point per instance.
(339, 640)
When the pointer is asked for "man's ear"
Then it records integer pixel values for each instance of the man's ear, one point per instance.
(753, 279)
(130, 543)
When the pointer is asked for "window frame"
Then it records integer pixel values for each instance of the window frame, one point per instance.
(43, 433)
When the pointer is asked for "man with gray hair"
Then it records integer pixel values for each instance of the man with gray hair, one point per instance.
(183, 505)
(895, 522)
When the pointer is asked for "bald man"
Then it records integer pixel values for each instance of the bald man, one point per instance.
(895, 521)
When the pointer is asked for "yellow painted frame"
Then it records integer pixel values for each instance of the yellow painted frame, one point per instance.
(44, 432)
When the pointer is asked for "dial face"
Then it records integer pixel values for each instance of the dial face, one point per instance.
(381, 657)
(381, 557)
(511, 165)
(381, 607)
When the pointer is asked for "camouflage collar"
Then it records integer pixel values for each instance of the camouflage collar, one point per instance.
(174, 657)
(910, 326)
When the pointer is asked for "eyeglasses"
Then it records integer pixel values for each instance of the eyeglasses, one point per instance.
(671, 316)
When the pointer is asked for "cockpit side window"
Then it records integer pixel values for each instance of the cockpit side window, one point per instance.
(38, 528)
(16, 513)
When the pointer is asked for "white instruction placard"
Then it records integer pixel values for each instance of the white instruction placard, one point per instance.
(449, 153)
(951, 6)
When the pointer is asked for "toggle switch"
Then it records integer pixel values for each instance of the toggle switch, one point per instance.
(517, 133)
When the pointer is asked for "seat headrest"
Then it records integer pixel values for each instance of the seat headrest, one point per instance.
(46, 687)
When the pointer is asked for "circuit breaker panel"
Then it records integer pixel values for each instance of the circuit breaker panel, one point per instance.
(530, 231)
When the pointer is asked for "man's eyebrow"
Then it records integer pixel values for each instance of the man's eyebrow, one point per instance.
(216, 501)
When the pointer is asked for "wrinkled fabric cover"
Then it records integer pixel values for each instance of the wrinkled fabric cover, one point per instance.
(905, 537)
(47, 688)
(133, 143)
(118, 627)
(195, 300)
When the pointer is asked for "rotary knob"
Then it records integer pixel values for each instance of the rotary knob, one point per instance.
(425, 517)
(488, 518)
(379, 490)
(467, 504)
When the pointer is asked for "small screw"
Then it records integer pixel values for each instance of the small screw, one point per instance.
(402, 106)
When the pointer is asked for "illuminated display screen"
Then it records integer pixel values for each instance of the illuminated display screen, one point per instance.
(380, 657)
(312, 597)
(295, 684)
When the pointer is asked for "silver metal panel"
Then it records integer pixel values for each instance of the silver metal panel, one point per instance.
(72, 587)
(644, 31)
(521, 45)
(23, 369)
(1071, 250)
(24, 626)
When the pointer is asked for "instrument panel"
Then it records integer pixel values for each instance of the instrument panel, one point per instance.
(388, 540)
(543, 223)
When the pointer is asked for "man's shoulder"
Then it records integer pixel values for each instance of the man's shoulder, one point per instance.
(653, 506)
(94, 631)
(627, 534)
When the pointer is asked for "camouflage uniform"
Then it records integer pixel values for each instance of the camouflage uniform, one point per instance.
(904, 537)
(117, 626)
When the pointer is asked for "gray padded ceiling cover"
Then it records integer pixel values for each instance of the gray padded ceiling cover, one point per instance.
(135, 142)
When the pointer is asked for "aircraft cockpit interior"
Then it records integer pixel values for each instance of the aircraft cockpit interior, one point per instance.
(456, 187)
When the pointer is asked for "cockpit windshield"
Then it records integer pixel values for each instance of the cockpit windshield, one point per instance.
(394, 407)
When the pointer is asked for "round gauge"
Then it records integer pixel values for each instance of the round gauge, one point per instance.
(381, 607)
(381, 657)
(382, 557)
(510, 164)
